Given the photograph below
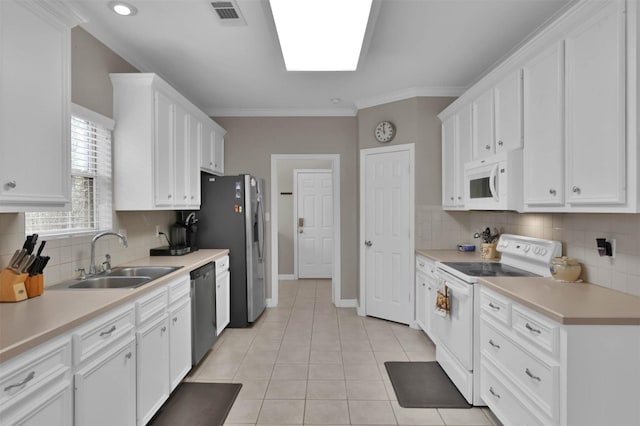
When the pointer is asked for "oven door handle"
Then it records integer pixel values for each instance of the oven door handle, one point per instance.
(492, 182)
(462, 289)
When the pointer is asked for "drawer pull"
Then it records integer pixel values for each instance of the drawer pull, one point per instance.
(128, 355)
(494, 344)
(494, 307)
(163, 330)
(530, 374)
(531, 329)
(175, 320)
(26, 380)
(497, 395)
(421, 264)
(108, 332)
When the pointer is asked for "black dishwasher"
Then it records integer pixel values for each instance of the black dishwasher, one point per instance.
(203, 311)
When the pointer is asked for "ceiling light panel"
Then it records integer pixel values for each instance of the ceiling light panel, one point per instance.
(122, 8)
(321, 35)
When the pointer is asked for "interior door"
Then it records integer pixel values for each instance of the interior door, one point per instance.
(387, 210)
(314, 223)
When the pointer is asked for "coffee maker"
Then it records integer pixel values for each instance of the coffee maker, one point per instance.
(182, 236)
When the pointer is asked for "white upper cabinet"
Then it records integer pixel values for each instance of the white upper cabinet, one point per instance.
(508, 113)
(157, 145)
(456, 148)
(543, 135)
(483, 134)
(34, 105)
(595, 66)
(213, 149)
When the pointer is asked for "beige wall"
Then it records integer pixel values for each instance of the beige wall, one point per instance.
(285, 208)
(250, 141)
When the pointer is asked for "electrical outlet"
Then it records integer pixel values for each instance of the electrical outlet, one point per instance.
(157, 230)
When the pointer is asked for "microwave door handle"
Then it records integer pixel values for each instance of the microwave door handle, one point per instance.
(492, 182)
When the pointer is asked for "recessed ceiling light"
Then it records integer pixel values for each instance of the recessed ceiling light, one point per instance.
(321, 35)
(122, 8)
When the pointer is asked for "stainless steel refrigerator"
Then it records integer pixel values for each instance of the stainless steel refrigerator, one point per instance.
(232, 216)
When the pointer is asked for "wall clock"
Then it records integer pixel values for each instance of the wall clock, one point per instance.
(385, 131)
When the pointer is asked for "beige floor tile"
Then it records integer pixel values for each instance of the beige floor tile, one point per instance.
(326, 357)
(253, 372)
(360, 357)
(326, 389)
(217, 371)
(422, 356)
(323, 412)
(371, 412)
(492, 417)
(281, 412)
(366, 390)
(326, 372)
(286, 389)
(355, 345)
(253, 389)
(265, 345)
(260, 357)
(290, 372)
(416, 416)
(384, 356)
(362, 372)
(464, 416)
(297, 356)
(244, 411)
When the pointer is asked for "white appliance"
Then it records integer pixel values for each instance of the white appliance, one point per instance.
(458, 333)
(494, 183)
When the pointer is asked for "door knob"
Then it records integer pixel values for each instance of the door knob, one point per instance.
(368, 243)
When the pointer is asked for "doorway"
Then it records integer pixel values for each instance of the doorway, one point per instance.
(282, 204)
(387, 210)
(313, 223)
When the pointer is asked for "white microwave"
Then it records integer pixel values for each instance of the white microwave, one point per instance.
(494, 183)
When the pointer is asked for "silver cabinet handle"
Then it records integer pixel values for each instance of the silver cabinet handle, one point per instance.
(185, 197)
(12, 184)
(424, 285)
(531, 329)
(108, 332)
(459, 197)
(494, 392)
(487, 147)
(530, 374)
(421, 264)
(500, 143)
(494, 307)
(451, 198)
(576, 189)
(495, 345)
(552, 191)
(169, 196)
(368, 243)
(26, 380)
(163, 329)
(175, 320)
(128, 355)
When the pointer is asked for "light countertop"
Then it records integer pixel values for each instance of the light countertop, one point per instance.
(566, 303)
(26, 324)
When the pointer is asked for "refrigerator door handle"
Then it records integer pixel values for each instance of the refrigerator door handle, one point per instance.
(261, 234)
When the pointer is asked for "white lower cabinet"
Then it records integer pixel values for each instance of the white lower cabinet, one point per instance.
(535, 371)
(179, 341)
(223, 294)
(425, 294)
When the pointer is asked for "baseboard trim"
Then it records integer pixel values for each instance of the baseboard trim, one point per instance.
(347, 303)
(271, 303)
(360, 311)
(288, 277)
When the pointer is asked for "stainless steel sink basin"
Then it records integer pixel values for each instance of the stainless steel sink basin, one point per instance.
(144, 271)
(112, 282)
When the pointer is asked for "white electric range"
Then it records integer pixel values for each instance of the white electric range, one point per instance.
(458, 349)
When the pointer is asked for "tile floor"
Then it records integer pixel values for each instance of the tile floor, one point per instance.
(307, 362)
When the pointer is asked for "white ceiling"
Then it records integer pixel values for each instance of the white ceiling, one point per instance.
(413, 48)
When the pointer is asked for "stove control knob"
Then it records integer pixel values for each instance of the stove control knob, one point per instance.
(526, 248)
(543, 251)
(536, 250)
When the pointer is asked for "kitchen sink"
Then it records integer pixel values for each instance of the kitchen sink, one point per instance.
(119, 277)
(112, 282)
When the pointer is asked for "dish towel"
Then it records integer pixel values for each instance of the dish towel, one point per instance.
(443, 305)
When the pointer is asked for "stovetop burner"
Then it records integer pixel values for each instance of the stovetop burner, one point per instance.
(488, 269)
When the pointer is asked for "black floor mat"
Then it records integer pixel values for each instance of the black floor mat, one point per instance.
(197, 404)
(424, 385)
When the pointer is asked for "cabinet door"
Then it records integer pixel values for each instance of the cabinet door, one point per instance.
(595, 67)
(222, 301)
(463, 150)
(483, 135)
(34, 109)
(543, 131)
(508, 113)
(105, 391)
(46, 407)
(421, 300)
(181, 157)
(193, 163)
(208, 147)
(449, 160)
(180, 342)
(218, 154)
(163, 164)
(152, 371)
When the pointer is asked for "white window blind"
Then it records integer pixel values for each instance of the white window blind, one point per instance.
(91, 198)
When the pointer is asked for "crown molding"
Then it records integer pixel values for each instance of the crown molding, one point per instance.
(412, 92)
(280, 112)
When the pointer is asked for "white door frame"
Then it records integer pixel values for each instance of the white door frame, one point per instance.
(336, 288)
(295, 212)
(410, 147)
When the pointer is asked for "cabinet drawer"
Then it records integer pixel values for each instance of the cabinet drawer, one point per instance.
(495, 306)
(90, 339)
(502, 402)
(535, 378)
(179, 288)
(537, 330)
(222, 264)
(34, 369)
(151, 305)
(426, 266)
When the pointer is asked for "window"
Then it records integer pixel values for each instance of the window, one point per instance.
(91, 201)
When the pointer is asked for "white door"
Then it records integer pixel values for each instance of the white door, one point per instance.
(313, 221)
(387, 212)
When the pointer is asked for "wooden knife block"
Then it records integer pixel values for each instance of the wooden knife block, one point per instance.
(12, 288)
(34, 285)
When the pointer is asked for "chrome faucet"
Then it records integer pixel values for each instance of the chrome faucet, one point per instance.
(92, 268)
